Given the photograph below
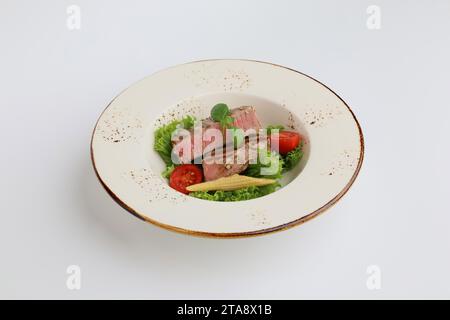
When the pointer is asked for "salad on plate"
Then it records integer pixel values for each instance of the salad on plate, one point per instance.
(229, 156)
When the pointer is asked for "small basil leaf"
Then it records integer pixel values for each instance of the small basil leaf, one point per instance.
(227, 121)
(219, 112)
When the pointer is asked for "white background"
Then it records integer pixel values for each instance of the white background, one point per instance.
(55, 82)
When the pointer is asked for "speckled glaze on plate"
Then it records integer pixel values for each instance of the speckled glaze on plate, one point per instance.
(130, 171)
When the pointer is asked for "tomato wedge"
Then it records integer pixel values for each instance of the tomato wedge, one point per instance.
(288, 141)
(184, 176)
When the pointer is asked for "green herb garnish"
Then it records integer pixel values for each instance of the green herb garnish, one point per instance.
(222, 114)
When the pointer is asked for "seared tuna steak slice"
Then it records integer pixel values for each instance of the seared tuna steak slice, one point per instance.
(245, 118)
(232, 162)
(206, 124)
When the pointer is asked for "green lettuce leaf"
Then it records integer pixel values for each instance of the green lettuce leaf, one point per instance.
(293, 157)
(279, 127)
(236, 195)
(163, 136)
(168, 171)
(254, 170)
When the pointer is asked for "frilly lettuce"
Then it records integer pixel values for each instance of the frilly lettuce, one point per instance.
(236, 195)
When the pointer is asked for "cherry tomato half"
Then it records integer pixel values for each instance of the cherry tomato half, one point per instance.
(288, 141)
(184, 176)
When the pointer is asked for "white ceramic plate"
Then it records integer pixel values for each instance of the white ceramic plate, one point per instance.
(129, 169)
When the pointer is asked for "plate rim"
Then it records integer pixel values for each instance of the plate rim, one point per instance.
(246, 234)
